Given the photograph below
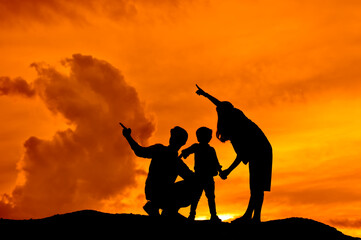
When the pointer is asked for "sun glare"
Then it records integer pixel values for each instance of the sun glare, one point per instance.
(223, 217)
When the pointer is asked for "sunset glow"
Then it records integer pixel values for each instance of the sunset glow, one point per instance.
(70, 71)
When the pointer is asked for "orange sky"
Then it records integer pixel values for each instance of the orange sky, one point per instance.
(293, 67)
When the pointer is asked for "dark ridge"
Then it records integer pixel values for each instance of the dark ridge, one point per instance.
(89, 223)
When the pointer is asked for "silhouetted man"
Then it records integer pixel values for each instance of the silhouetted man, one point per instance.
(160, 188)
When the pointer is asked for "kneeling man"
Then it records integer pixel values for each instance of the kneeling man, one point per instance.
(161, 191)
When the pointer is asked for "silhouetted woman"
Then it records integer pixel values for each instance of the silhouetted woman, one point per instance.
(251, 146)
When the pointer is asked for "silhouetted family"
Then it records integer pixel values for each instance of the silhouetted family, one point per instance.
(249, 142)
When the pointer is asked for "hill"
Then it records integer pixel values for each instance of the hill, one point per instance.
(88, 223)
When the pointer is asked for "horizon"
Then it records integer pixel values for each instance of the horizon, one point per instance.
(107, 224)
(71, 71)
(87, 216)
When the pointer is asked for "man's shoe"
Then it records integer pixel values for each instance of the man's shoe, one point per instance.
(151, 209)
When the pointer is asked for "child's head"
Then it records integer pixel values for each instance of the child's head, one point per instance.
(204, 134)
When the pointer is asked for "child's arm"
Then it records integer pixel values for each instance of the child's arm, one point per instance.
(219, 167)
(216, 162)
(188, 151)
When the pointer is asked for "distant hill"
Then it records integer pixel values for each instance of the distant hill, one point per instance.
(89, 223)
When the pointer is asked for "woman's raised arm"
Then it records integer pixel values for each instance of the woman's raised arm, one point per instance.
(214, 100)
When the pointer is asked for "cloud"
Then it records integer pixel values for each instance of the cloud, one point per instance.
(51, 11)
(347, 223)
(89, 162)
(41, 11)
(17, 12)
(342, 79)
(17, 86)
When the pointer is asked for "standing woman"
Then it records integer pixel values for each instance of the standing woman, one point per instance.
(251, 146)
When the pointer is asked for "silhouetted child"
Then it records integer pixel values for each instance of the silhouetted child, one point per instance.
(206, 166)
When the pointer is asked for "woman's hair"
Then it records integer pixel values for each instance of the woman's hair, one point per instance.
(229, 121)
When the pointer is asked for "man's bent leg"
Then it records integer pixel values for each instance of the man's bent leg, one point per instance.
(151, 209)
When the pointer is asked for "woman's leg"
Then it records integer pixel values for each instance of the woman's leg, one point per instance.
(248, 214)
(258, 197)
(254, 206)
(257, 183)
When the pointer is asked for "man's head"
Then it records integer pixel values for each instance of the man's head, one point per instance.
(204, 135)
(178, 137)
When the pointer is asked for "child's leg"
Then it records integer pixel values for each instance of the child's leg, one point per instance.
(209, 190)
(212, 206)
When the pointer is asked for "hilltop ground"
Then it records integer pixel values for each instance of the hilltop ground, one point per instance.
(95, 224)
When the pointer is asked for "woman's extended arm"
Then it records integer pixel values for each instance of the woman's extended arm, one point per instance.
(214, 100)
(226, 172)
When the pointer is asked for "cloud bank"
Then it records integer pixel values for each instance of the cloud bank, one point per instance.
(89, 162)
(18, 12)
(17, 86)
